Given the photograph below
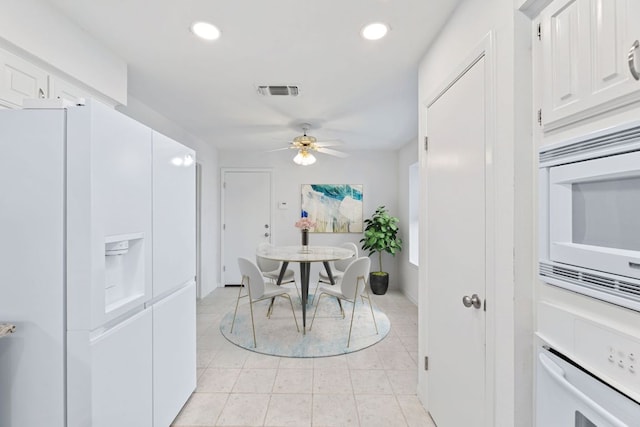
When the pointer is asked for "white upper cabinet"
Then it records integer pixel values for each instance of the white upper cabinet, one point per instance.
(588, 51)
(20, 80)
(60, 89)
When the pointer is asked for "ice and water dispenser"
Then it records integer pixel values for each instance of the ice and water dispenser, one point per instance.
(124, 269)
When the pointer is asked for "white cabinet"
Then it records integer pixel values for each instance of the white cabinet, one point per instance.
(20, 80)
(61, 89)
(588, 51)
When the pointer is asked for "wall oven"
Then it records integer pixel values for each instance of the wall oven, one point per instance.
(568, 395)
(589, 189)
(587, 369)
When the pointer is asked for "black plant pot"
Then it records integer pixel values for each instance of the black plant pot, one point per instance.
(379, 283)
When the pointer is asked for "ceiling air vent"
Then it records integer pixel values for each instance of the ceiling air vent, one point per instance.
(278, 90)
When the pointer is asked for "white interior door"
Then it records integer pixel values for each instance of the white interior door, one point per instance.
(456, 255)
(247, 218)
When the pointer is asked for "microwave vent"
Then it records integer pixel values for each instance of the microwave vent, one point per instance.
(615, 142)
(589, 280)
(274, 90)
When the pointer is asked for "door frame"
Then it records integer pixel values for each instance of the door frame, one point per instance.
(485, 48)
(223, 172)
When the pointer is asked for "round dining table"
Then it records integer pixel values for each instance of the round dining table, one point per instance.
(305, 257)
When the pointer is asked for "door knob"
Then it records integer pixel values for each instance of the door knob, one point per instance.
(266, 234)
(473, 300)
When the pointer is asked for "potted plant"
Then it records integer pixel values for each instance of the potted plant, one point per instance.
(380, 235)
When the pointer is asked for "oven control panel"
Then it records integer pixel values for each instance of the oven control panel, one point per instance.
(610, 354)
(624, 360)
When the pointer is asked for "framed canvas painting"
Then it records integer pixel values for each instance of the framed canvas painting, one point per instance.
(335, 208)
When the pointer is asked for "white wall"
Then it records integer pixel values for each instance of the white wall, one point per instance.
(408, 273)
(470, 23)
(36, 28)
(377, 171)
(207, 157)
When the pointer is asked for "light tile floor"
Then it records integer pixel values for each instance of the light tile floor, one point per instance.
(368, 388)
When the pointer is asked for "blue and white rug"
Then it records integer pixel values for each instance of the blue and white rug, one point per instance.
(328, 336)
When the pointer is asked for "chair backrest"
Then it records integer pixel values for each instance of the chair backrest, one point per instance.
(355, 277)
(342, 264)
(265, 264)
(251, 277)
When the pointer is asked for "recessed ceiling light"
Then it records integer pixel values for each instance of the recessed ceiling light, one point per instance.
(375, 31)
(205, 30)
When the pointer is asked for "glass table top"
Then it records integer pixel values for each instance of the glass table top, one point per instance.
(298, 254)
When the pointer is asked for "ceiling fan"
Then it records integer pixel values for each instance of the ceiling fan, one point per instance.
(306, 144)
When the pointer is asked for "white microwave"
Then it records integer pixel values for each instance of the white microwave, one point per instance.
(589, 213)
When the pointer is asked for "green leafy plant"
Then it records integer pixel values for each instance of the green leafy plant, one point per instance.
(380, 235)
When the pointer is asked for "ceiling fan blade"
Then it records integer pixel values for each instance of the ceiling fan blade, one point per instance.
(331, 152)
(279, 149)
(329, 143)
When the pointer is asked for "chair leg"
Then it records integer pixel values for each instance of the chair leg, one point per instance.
(353, 312)
(237, 301)
(371, 307)
(292, 311)
(316, 310)
(295, 285)
(270, 309)
(253, 326)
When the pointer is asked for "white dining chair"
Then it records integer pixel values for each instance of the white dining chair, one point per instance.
(350, 286)
(258, 290)
(338, 267)
(270, 269)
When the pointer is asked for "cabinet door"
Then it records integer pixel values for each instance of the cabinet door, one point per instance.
(564, 58)
(60, 89)
(585, 48)
(20, 80)
(612, 32)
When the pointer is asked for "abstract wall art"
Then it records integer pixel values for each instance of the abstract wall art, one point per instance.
(335, 208)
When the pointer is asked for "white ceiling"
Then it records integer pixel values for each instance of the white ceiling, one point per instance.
(361, 92)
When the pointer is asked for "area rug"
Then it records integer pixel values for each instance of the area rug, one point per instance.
(277, 335)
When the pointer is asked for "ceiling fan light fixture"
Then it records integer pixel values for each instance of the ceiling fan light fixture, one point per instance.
(205, 30)
(374, 31)
(304, 158)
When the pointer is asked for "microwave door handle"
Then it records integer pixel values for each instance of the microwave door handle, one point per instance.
(557, 373)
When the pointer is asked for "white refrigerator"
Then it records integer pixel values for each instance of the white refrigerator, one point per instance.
(97, 224)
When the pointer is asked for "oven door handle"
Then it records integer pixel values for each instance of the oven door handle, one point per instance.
(558, 374)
